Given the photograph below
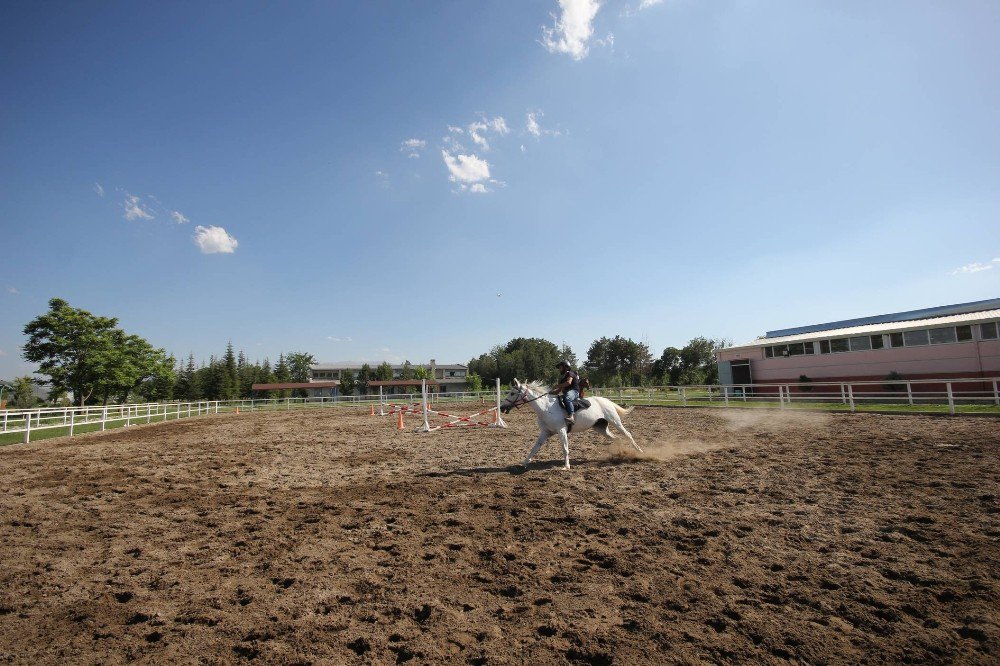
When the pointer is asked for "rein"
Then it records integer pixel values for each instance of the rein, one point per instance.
(521, 400)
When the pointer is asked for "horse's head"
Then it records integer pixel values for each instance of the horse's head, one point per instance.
(517, 396)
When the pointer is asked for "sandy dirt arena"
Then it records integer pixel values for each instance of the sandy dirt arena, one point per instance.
(326, 536)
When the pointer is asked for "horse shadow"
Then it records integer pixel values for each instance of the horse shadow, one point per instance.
(518, 470)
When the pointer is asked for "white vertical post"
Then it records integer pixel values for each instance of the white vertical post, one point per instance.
(850, 396)
(996, 395)
(951, 399)
(72, 422)
(842, 395)
(684, 400)
(725, 394)
(788, 393)
(149, 413)
(499, 422)
(128, 416)
(909, 393)
(381, 401)
(27, 427)
(781, 396)
(423, 399)
(104, 418)
(216, 406)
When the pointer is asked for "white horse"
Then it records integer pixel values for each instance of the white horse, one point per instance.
(552, 417)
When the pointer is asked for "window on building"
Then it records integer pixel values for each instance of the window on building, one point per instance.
(768, 352)
(942, 336)
(861, 343)
(810, 348)
(796, 349)
(964, 333)
(824, 346)
(988, 331)
(839, 345)
(915, 338)
(896, 339)
(877, 341)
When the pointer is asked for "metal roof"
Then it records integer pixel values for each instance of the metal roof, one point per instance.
(395, 366)
(868, 329)
(912, 315)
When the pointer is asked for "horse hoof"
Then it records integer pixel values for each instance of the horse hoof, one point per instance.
(566, 467)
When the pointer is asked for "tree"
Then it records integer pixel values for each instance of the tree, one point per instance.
(24, 394)
(347, 383)
(621, 358)
(265, 376)
(232, 379)
(524, 358)
(364, 376)
(282, 375)
(383, 372)
(475, 382)
(299, 369)
(667, 368)
(407, 372)
(72, 347)
(698, 363)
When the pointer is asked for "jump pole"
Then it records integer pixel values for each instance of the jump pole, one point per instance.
(426, 427)
(381, 402)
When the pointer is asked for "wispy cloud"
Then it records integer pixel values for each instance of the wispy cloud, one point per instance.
(179, 217)
(135, 209)
(12, 290)
(412, 147)
(572, 29)
(479, 129)
(974, 267)
(99, 189)
(333, 338)
(214, 240)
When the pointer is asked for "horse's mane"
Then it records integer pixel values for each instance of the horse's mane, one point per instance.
(539, 387)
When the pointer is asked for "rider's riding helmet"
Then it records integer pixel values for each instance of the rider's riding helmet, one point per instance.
(563, 364)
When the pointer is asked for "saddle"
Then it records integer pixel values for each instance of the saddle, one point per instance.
(580, 403)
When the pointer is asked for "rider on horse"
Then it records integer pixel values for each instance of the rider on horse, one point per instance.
(568, 389)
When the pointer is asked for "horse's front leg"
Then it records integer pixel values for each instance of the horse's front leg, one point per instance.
(542, 436)
(565, 442)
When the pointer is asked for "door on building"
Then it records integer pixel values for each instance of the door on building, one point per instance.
(741, 373)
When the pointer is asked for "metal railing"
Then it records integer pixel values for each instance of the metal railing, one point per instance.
(69, 421)
(967, 395)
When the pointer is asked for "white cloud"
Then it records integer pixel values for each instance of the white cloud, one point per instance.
(135, 209)
(99, 189)
(214, 240)
(455, 130)
(12, 290)
(179, 217)
(466, 169)
(974, 267)
(572, 29)
(478, 188)
(333, 338)
(412, 147)
(523, 149)
(478, 129)
(646, 4)
(996, 260)
(533, 127)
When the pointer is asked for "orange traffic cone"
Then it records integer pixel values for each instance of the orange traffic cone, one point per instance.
(399, 420)
(373, 410)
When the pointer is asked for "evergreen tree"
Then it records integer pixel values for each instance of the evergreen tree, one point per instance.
(265, 376)
(383, 372)
(282, 375)
(364, 376)
(347, 383)
(231, 382)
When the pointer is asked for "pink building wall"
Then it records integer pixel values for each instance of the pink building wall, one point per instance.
(964, 359)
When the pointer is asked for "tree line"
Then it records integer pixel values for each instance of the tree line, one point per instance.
(610, 362)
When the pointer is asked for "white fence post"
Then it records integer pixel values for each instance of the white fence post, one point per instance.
(684, 400)
(909, 392)
(951, 399)
(149, 413)
(27, 427)
(725, 394)
(996, 395)
(850, 396)
(72, 421)
(104, 418)
(781, 396)
(843, 400)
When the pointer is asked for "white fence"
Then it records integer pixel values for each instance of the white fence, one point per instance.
(976, 395)
(905, 396)
(60, 421)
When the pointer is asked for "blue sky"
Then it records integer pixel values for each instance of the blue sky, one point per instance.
(385, 180)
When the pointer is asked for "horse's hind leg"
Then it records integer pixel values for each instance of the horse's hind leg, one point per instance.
(542, 436)
(601, 425)
(618, 424)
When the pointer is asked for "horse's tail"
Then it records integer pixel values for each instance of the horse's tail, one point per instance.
(622, 411)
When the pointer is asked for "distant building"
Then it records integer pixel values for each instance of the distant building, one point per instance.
(450, 378)
(950, 341)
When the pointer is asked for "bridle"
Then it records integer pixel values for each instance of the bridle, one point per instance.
(522, 400)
